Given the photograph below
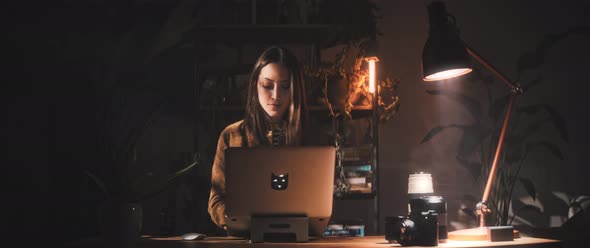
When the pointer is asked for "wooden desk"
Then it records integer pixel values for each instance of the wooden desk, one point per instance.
(370, 241)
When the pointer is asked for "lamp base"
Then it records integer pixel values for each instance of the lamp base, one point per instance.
(476, 234)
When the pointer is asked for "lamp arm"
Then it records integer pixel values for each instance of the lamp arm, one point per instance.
(482, 208)
(513, 86)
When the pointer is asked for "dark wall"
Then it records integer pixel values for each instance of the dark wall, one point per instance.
(66, 46)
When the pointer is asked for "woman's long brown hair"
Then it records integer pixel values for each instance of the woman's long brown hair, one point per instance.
(256, 120)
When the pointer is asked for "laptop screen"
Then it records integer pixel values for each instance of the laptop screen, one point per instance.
(279, 181)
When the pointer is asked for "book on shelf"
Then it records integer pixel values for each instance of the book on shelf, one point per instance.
(358, 153)
(361, 191)
(356, 180)
(358, 174)
(361, 188)
(359, 184)
(361, 170)
(365, 166)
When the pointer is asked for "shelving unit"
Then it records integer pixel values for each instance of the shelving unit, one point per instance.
(244, 39)
(360, 165)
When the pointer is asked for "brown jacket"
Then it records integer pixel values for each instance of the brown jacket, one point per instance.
(233, 135)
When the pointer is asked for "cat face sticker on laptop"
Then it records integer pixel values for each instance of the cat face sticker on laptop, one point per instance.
(280, 182)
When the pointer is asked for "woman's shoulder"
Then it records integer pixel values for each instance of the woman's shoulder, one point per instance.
(232, 134)
(233, 130)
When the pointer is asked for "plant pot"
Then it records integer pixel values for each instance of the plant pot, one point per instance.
(120, 223)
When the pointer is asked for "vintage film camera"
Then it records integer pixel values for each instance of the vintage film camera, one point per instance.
(421, 227)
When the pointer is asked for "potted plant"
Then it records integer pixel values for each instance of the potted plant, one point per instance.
(110, 74)
(479, 139)
(121, 121)
(343, 86)
(121, 213)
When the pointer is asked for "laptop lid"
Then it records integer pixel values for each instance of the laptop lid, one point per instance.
(279, 181)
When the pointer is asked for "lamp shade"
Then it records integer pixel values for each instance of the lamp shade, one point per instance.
(444, 55)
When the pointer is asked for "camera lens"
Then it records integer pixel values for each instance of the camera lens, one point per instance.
(400, 229)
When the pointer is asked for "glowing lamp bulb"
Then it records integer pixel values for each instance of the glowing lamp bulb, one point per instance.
(447, 74)
(371, 61)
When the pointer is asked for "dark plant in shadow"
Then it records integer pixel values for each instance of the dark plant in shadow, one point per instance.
(120, 125)
(127, 97)
(352, 21)
(104, 97)
(478, 140)
(109, 58)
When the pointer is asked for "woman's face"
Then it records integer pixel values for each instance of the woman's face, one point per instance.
(274, 91)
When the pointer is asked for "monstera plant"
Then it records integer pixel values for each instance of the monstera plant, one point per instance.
(526, 134)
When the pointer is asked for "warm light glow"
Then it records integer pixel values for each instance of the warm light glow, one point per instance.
(372, 61)
(372, 76)
(447, 74)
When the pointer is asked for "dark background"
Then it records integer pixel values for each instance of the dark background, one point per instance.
(63, 48)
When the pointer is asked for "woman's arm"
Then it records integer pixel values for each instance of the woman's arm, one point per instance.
(217, 195)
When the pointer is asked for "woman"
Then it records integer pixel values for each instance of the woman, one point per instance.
(275, 113)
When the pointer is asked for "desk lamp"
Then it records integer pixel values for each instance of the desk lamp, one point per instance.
(445, 56)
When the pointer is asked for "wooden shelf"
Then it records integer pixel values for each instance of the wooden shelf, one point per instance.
(227, 70)
(222, 108)
(357, 196)
(357, 109)
(262, 34)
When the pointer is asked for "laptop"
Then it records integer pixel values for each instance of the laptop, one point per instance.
(279, 181)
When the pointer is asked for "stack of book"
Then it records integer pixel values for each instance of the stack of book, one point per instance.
(356, 162)
(340, 230)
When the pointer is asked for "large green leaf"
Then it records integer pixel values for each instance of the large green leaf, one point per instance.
(535, 58)
(433, 132)
(554, 116)
(173, 32)
(514, 155)
(526, 208)
(473, 167)
(566, 199)
(138, 127)
(150, 184)
(529, 187)
(581, 199)
(517, 138)
(471, 138)
(533, 83)
(558, 122)
(531, 109)
(553, 148)
(530, 60)
(471, 104)
(99, 183)
(498, 107)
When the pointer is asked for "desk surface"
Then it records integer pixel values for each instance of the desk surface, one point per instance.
(369, 241)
